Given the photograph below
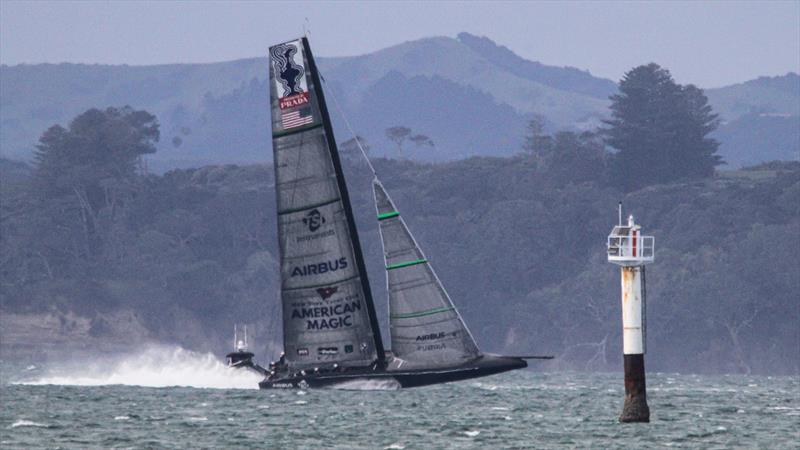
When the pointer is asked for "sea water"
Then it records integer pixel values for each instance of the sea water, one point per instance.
(180, 399)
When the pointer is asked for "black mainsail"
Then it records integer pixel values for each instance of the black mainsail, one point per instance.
(328, 312)
(330, 329)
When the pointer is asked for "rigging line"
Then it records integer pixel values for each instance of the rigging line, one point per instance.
(347, 123)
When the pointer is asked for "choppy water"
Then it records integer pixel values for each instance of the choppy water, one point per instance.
(84, 408)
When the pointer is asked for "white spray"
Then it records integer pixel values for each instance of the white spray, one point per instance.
(155, 366)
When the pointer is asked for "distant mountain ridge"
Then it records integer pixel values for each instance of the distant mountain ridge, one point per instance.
(779, 95)
(760, 120)
(564, 78)
(453, 60)
(468, 94)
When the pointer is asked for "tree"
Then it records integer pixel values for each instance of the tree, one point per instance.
(398, 135)
(576, 158)
(660, 129)
(538, 145)
(420, 140)
(565, 157)
(93, 163)
(97, 146)
(350, 148)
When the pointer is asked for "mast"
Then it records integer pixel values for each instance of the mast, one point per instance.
(345, 198)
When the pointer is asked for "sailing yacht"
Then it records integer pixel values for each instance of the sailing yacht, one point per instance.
(331, 333)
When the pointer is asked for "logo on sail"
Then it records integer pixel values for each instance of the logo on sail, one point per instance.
(294, 100)
(328, 317)
(425, 344)
(291, 83)
(432, 336)
(314, 219)
(293, 119)
(320, 268)
(326, 292)
(289, 75)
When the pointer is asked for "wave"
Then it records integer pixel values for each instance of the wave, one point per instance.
(28, 423)
(155, 366)
(363, 384)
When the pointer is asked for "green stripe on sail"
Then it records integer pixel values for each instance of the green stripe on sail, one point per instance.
(388, 215)
(421, 313)
(406, 264)
(303, 208)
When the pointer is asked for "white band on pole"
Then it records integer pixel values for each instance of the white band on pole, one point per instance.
(632, 335)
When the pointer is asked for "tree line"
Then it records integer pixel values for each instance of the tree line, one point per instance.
(658, 132)
(518, 241)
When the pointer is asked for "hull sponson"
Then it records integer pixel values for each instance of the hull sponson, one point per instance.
(484, 366)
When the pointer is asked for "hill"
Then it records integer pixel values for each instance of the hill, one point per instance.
(204, 104)
(757, 137)
(470, 95)
(760, 120)
(764, 95)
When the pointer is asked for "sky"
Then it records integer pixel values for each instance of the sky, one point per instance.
(709, 44)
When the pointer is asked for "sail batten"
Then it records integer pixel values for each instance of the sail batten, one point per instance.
(328, 315)
(388, 215)
(421, 313)
(400, 265)
(426, 329)
(307, 207)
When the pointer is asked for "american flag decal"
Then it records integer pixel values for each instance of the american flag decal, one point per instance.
(296, 118)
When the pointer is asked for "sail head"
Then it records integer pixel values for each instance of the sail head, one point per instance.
(425, 327)
(324, 292)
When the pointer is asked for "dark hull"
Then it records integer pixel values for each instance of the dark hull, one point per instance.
(483, 366)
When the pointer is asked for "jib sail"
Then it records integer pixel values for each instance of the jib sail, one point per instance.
(426, 329)
(328, 314)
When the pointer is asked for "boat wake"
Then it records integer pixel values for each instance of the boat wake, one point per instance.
(28, 423)
(156, 366)
(364, 384)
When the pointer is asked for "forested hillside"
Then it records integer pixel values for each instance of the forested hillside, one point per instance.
(470, 95)
(521, 251)
(760, 120)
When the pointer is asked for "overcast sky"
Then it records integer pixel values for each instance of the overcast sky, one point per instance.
(708, 44)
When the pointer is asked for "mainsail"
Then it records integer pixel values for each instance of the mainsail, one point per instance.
(426, 329)
(328, 313)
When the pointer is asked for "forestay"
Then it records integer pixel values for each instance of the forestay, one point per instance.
(327, 308)
(426, 329)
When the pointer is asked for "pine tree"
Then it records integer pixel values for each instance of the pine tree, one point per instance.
(91, 166)
(100, 147)
(660, 129)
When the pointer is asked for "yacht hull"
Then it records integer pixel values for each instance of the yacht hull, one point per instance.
(481, 367)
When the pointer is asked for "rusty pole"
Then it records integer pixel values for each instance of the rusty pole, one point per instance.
(630, 249)
(635, 408)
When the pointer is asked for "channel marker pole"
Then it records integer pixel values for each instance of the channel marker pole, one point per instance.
(628, 248)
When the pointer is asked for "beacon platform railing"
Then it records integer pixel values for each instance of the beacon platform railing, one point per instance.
(631, 249)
